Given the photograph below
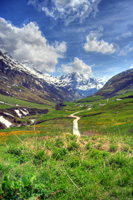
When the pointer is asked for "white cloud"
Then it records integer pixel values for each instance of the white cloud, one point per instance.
(131, 67)
(93, 44)
(126, 49)
(127, 34)
(76, 66)
(131, 49)
(122, 53)
(27, 44)
(68, 10)
(61, 47)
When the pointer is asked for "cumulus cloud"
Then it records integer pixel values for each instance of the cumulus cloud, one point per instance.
(76, 66)
(68, 10)
(131, 67)
(27, 44)
(94, 44)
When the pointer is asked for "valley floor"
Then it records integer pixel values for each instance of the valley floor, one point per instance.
(47, 161)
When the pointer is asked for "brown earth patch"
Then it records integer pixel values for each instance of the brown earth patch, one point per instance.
(2, 126)
(43, 138)
(38, 138)
(105, 147)
(87, 133)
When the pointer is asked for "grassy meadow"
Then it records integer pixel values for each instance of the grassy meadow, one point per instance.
(46, 161)
(13, 101)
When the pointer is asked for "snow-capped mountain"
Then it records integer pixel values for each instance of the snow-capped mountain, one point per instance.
(26, 67)
(20, 80)
(82, 83)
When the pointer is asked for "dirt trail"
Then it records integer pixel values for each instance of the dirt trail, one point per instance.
(75, 122)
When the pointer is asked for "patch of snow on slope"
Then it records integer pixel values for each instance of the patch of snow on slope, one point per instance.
(8, 114)
(5, 103)
(18, 113)
(24, 112)
(5, 122)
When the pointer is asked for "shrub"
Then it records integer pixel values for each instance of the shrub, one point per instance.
(16, 189)
(39, 157)
(98, 154)
(113, 148)
(59, 142)
(73, 146)
(126, 149)
(88, 146)
(73, 137)
(74, 163)
(87, 164)
(23, 159)
(14, 151)
(59, 153)
(118, 161)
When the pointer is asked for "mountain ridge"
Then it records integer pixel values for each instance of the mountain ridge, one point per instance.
(118, 84)
(82, 83)
(19, 80)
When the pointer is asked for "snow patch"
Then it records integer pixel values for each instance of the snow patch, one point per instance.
(8, 114)
(33, 121)
(18, 113)
(8, 86)
(2, 102)
(5, 122)
(5, 103)
(24, 112)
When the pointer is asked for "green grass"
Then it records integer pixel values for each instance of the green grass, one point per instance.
(3, 106)
(46, 161)
(90, 99)
(113, 117)
(13, 101)
(63, 167)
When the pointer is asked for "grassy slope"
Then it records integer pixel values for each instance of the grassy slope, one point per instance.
(111, 117)
(46, 161)
(13, 101)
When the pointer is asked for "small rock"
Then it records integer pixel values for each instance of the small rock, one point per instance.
(131, 130)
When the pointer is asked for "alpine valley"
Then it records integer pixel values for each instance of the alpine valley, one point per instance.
(41, 154)
(65, 132)
(27, 83)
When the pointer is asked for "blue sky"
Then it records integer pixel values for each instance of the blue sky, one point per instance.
(94, 37)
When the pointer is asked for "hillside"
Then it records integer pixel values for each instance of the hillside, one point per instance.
(25, 83)
(46, 161)
(119, 84)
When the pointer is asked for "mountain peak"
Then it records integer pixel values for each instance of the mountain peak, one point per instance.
(82, 83)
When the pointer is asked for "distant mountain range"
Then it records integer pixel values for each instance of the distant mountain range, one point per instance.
(25, 82)
(82, 83)
(119, 84)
